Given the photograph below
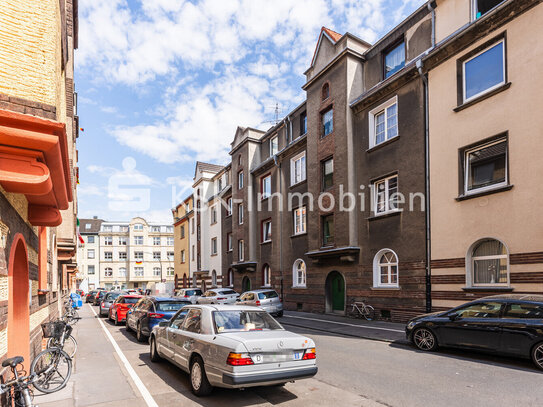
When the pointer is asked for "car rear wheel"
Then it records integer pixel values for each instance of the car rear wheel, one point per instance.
(425, 339)
(198, 380)
(116, 319)
(155, 357)
(280, 314)
(537, 355)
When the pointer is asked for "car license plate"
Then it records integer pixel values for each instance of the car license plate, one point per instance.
(298, 355)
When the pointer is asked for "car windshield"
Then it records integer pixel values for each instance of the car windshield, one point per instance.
(193, 292)
(227, 292)
(240, 321)
(170, 306)
(267, 295)
(130, 300)
(112, 296)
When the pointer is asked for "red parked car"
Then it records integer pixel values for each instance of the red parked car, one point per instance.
(118, 310)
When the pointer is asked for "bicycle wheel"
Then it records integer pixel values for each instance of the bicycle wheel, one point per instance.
(52, 369)
(70, 345)
(368, 312)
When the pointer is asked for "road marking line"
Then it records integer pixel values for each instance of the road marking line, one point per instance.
(137, 381)
(344, 323)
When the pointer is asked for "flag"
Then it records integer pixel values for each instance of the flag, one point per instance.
(81, 129)
(139, 262)
(79, 234)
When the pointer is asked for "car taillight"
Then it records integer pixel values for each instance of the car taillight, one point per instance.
(310, 354)
(187, 296)
(221, 298)
(155, 315)
(258, 302)
(239, 359)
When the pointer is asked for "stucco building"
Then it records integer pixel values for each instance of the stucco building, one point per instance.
(88, 259)
(38, 159)
(181, 234)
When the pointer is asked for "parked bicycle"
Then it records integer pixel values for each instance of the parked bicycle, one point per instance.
(44, 376)
(62, 336)
(70, 315)
(360, 309)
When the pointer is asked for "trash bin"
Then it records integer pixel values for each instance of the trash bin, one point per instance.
(77, 301)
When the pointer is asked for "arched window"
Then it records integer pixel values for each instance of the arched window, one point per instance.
(266, 276)
(489, 264)
(385, 269)
(122, 271)
(299, 274)
(108, 272)
(325, 91)
(231, 278)
(213, 278)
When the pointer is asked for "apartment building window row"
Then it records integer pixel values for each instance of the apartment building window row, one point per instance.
(300, 220)
(385, 195)
(297, 169)
(266, 231)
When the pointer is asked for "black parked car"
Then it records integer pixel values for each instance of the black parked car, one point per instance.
(505, 324)
(90, 296)
(99, 297)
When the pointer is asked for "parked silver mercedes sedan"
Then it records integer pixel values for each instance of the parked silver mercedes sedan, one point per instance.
(232, 346)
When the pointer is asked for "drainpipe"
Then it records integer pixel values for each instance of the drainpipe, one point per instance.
(278, 165)
(432, 7)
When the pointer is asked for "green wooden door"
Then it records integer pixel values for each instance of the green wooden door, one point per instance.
(338, 293)
(246, 284)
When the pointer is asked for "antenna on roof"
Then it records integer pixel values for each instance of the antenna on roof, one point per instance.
(277, 112)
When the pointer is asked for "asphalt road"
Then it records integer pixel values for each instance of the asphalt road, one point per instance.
(352, 372)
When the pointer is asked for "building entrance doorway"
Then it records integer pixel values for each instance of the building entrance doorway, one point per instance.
(246, 284)
(335, 292)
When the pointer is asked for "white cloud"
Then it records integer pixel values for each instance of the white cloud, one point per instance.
(108, 109)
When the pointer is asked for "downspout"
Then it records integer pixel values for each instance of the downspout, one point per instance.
(278, 165)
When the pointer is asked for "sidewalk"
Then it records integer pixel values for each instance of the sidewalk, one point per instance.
(337, 324)
(97, 378)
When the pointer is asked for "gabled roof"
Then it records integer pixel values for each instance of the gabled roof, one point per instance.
(207, 167)
(94, 227)
(328, 33)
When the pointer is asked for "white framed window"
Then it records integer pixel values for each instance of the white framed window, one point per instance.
(240, 180)
(266, 276)
(170, 256)
(266, 230)
(88, 226)
(214, 278)
(122, 256)
(90, 254)
(240, 214)
(299, 274)
(170, 271)
(488, 263)
(385, 269)
(138, 226)
(108, 240)
(231, 278)
(183, 256)
(297, 169)
(265, 187)
(327, 122)
(156, 271)
(394, 59)
(241, 250)
(300, 220)
(122, 241)
(138, 255)
(108, 272)
(213, 246)
(107, 228)
(484, 72)
(124, 229)
(108, 255)
(383, 122)
(481, 7)
(169, 229)
(155, 229)
(156, 255)
(169, 241)
(138, 271)
(229, 207)
(229, 243)
(90, 239)
(138, 240)
(156, 241)
(90, 270)
(274, 145)
(385, 195)
(122, 271)
(214, 214)
(485, 167)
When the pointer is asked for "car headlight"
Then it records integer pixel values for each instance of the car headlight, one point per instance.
(411, 324)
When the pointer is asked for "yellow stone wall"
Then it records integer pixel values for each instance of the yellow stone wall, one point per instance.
(4, 289)
(30, 65)
(3, 341)
(38, 317)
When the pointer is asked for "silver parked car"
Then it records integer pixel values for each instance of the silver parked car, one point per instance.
(232, 346)
(191, 294)
(268, 300)
(218, 296)
(108, 301)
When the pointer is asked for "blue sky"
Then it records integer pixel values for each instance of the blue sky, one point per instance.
(163, 83)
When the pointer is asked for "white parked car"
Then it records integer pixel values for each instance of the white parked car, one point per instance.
(191, 294)
(232, 346)
(218, 296)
